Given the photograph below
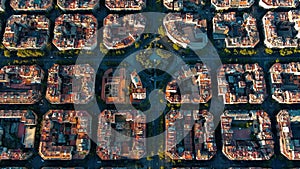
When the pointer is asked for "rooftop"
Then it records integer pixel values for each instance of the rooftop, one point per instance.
(193, 85)
(75, 31)
(121, 32)
(282, 29)
(187, 30)
(247, 135)
(288, 126)
(74, 5)
(26, 32)
(238, 32)
(20, 84)
(198, 142)
(31, 5)
(285, 79)
(227, 4)
(128, 5)
(239, 83)
(113, 85)
(65, 135)
(269, 4)
(137, 92)
(70, 84)
(186, 5)
(121, 134)
(17, 134)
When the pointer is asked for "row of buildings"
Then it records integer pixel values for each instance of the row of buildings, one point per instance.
(66, 134)
(71, 31)
(65, 84)
(138, 5)
(237, 84)
(178, 5)
(73, 5)
(79, 31)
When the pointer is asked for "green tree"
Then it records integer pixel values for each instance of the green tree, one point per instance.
(136, 45)
(103, 49)
(176, 47)
(6, 53)
(161, 31)
(268, 51)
